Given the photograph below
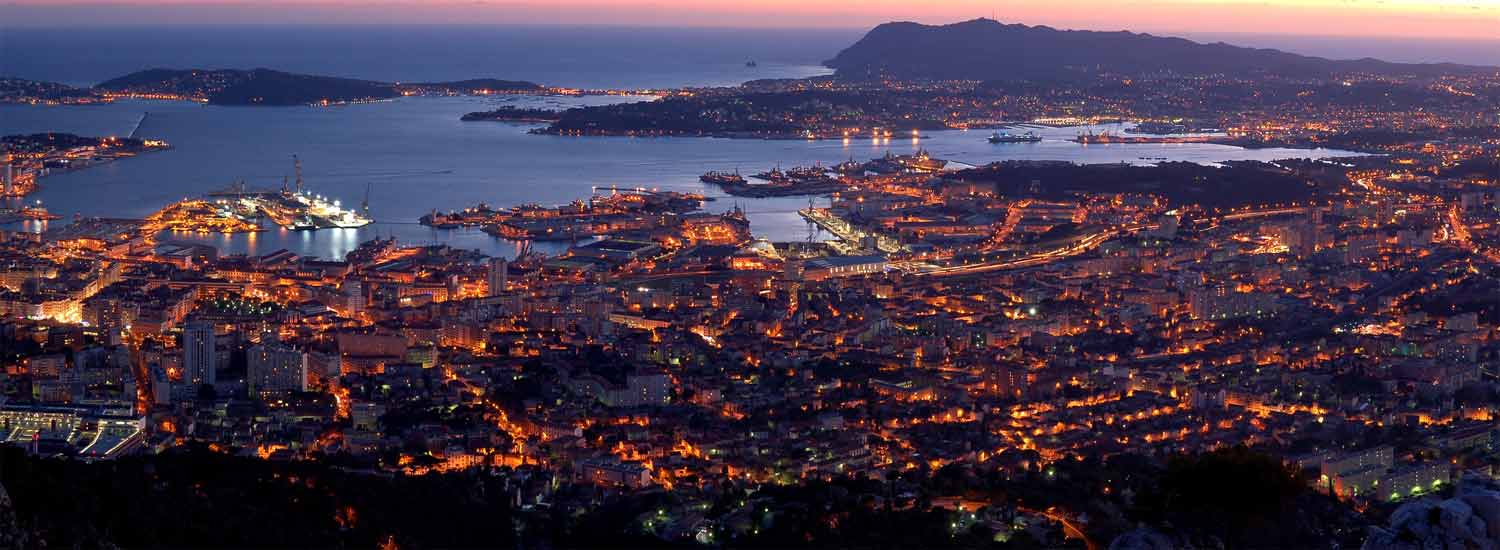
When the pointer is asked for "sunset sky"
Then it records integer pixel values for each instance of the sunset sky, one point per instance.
(1473, 19)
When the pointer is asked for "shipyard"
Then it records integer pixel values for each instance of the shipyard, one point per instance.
(291, 207)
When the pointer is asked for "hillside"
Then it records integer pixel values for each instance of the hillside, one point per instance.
(270, 87)
(252, 87)
(983, 49)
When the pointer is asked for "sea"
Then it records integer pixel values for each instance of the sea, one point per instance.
(411, 156)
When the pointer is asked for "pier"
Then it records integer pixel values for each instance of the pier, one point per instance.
(135, 132)
(848, 232)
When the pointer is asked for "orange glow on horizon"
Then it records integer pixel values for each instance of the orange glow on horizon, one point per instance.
(1459, 19)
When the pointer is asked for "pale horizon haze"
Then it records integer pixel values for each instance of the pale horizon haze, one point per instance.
(1436, 19)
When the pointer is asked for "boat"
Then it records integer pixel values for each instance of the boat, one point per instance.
(1028, 137)
(1088, 138)
(722, 178)
(921, 162)
(772, 174)
(296, 209)
(850, 168)
(751, 64)
(806, 172)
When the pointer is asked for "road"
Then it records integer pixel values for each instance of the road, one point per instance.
(1071, 530)
(1077, 247)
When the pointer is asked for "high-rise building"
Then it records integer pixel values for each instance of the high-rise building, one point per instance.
(354, 296)
(273, 369)
(198, 354)
(499, 275)
(10, 177)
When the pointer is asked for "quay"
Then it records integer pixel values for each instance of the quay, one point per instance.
(847, 232)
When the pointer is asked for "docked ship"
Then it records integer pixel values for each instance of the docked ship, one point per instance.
(921, 162)
(722, 178)
(806, 172)
(304, 212)
(850, 168)
(773, 174)
(1028, 137)
(294, 208)
(27, 213)
(1091, 138)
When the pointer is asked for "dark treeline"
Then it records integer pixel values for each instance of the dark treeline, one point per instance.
(199, 498)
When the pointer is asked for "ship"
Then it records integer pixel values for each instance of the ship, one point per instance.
(1028, 137)
(1090, 137)
(921, 162)
(806, 172)
(1102, 137)
(751, 64)
(771, 175)
(722, 178)
(294, 208)
(850, 168)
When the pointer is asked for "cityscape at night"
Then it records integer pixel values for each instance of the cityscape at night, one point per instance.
(1166, 274)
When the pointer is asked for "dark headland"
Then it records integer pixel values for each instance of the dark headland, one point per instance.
(278, 88)
(983, 49)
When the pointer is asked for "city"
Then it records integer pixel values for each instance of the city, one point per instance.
(1298, 353)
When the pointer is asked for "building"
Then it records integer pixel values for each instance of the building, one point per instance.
(1413, 480)
(1219, 303)
(198, 354)
(612, 472)
(276, 370)
(834, 267)
(10, 178)
(650, 389)
(499, 276)
(1357, 473)
(97, 432)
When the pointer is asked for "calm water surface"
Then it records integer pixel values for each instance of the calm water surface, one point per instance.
(415, 156)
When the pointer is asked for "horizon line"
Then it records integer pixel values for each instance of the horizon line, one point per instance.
(794, 27)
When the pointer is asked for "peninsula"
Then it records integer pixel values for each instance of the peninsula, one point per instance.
(276, 88)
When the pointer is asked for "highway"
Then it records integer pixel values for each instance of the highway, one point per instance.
(1077, 247)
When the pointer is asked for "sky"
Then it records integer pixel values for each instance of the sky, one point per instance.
(1447, 19)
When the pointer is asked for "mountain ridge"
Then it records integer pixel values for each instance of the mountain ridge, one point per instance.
(985, 49)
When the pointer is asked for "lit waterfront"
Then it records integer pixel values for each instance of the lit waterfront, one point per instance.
(416, 156)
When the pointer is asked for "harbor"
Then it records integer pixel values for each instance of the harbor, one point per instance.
(608, 211)
(292, 208)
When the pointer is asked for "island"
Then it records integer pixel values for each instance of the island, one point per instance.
(514, 114)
